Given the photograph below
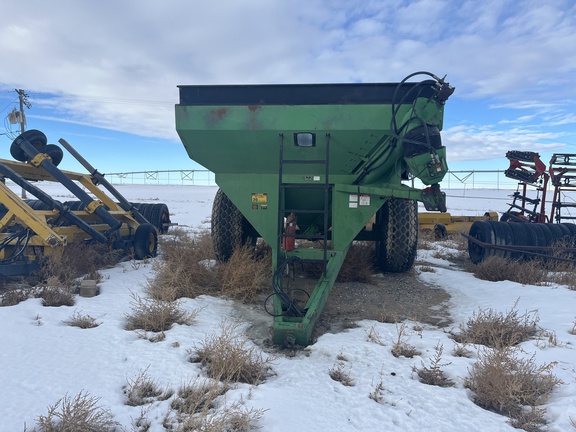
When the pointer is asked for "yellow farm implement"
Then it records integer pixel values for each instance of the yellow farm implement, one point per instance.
(33, 229)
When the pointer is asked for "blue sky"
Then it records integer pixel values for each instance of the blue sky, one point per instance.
(103, 74)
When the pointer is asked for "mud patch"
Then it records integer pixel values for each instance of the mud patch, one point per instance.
(391, 297)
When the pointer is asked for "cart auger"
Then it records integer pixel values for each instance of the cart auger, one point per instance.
(302, 163)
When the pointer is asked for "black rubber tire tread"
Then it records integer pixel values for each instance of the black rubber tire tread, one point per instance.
(557, 232)
(75, 205)
(34, 136)
(565, 230)
(518, 238)
(483, 232)
(398, 224)
(502, 237)
(571, 227)
(37, 205)
(157, 214)
(227, 226)
(531, 237)
(540, 234)
(547, 234)
(145, 241)
(160, 217)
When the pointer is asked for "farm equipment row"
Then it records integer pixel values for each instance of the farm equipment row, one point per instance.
(31, 230)
(525, 230)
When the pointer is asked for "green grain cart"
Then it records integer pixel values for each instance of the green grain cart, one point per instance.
(312, 164)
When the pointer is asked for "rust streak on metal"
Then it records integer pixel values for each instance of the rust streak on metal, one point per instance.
(217, 114)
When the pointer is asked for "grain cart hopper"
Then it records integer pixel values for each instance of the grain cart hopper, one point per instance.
(36, 228)
(316, 162)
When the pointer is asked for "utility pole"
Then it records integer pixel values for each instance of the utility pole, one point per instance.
(23, 102)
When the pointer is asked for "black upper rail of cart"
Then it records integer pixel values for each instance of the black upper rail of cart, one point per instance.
(305, 94)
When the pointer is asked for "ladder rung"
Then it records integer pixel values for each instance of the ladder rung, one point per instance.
(303, 162)
(304, 211)
(304, 186)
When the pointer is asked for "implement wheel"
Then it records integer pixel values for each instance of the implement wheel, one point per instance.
(35, 137)
(230, 228)
(157, 214)
(397, 224)
(145, 242)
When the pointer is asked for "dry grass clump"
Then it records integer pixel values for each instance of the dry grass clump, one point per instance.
(461, 350)
(82, 321)
(143, 390)
(197, 407)
(80, 413)
(495, 269)
(156, 316)
(401, 348)
(198, 396)
(434, 375)
(54, 296)
(12, 297)
(497, 330)
(358, 266)
(186, 268)
(562, 273)
(426, 239)
(339, 373)
(244, 276)
(513, 386)
(228, 356)
(78, 259)
(374, 336)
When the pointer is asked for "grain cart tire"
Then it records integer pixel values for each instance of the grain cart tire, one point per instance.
(397, 222)
(145, 241)
(230, 228)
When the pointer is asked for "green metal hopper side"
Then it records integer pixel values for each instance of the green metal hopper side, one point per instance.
(332, 154)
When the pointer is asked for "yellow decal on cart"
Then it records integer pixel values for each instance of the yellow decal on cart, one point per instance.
(260, 198)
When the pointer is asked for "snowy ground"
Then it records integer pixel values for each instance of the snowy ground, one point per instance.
(42, 359)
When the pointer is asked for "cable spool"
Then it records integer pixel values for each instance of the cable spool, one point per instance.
(517, 234)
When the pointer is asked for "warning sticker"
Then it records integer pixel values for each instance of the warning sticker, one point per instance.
(364, 200)
(259, 198)
(353, 198)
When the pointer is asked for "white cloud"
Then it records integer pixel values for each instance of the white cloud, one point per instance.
(469, 143)
(106, 52)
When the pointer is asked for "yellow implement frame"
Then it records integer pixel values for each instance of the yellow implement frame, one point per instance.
(453, 224)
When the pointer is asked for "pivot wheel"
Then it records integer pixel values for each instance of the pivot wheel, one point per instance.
(145, 242)
(397, 227)
(230, 228)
